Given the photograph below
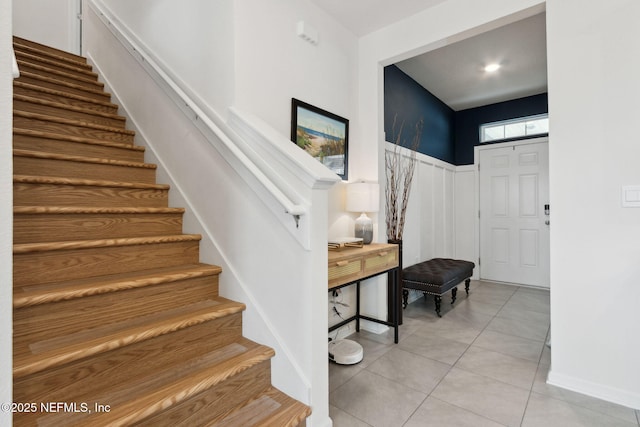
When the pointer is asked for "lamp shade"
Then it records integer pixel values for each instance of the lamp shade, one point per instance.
(363, 197)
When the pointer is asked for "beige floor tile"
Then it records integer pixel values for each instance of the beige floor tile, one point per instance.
(436, 413)
(340, 374)
(376, 400)
(469, 318)
(490, 293)
(498, 401)
(372, 350)
(531, 301)
(545, 411)
(473, 305)
(511, 345)
(525, 316)
(417, 372)
(341, 418)
(434, 347)
(518, 328)
(501, 367)
(451, 330)
(487, 359)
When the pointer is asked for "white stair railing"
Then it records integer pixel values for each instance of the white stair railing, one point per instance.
(212, 125)
(14, 67)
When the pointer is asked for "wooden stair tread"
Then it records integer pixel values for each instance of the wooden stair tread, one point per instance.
(81, 159)
(60, 350)
(18, 83)
(28, 179)
(61, 83)
(72, 122)
(271, 408)
(39, 210)
(134, 400)
(78, 139)
(73, 67)
(88, 79)
(41, 49)
(66, 107)
(31, 295)
(25, 248)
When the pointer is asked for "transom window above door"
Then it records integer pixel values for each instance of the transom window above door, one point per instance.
(522, 127)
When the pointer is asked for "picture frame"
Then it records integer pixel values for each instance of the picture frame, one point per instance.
(322, 134)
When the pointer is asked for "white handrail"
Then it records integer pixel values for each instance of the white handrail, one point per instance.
(292, 208)
(14, 67)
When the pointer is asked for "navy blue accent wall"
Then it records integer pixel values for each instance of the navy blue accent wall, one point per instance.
(409, 102)
(447, 135)
(467, 122)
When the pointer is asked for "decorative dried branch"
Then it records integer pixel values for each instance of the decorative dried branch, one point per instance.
(399, 171)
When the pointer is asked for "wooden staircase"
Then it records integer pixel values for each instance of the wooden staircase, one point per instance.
(116, 322)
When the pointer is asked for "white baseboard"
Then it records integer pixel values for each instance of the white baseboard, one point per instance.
(599, 391)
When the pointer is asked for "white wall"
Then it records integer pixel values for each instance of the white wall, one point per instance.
(594, 151)
(6, 211)
(54, 23)
(194, 42)
(273, 64)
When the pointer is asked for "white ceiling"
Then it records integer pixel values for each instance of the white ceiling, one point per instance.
(454, 73)
(365, 16)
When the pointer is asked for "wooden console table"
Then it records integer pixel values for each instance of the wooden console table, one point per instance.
(352, 265)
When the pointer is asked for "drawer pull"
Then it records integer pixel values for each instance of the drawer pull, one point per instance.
(342, 263)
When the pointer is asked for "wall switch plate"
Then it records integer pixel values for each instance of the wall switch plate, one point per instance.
(631, 196)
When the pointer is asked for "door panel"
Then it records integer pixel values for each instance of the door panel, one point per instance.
(514, 239)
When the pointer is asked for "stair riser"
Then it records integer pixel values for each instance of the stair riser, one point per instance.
(33, 228)
(27, 194)
(56, 146)
(71, 130)
(65, 88)
(53, 266)
(67, 114)
(18, 44)
(92, 376)
(57, 319)
(69, 169)
(20, 90)
(88, 82)
(212, 404)
(56, 64)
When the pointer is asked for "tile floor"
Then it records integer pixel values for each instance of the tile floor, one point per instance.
(484, 363)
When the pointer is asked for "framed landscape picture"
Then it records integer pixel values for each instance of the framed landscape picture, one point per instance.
(324, 135)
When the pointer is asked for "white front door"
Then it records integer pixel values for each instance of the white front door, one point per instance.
(514, 227)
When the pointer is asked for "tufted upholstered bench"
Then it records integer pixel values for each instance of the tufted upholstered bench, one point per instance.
(436, 277)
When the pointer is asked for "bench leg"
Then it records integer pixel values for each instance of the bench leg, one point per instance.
(466, 285)
(438, 300)
(454, 292)
(405, 298)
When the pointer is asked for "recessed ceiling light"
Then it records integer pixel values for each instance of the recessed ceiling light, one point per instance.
(492, 68)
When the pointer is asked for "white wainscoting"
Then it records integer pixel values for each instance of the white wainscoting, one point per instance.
(441, 213)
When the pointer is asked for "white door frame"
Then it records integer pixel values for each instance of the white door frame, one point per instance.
(476, 159)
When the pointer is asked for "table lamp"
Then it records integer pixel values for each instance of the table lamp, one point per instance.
(363, 197)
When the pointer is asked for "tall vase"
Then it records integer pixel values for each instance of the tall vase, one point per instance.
(398, 283)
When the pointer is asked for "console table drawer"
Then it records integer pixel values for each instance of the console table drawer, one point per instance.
(342, 271)
(352, 264)
(381, 261)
